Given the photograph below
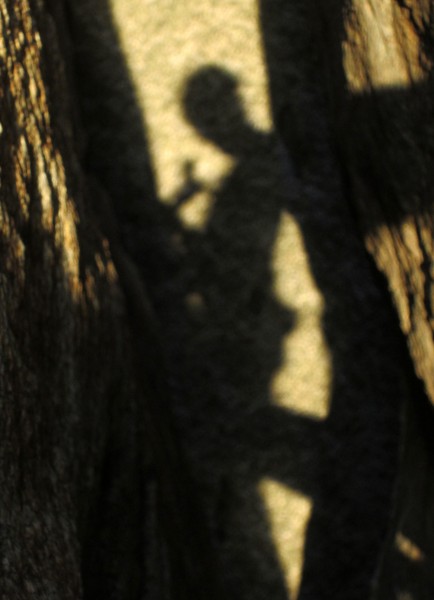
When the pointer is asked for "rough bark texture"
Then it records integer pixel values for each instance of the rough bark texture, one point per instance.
(87, 452)
(71, 461)
(78, 513)
(382, 87)
(379, 66)
(83, 402)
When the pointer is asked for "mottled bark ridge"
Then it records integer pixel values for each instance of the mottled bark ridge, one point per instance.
(82, 400)
(380, 74)
(379, 66)
(70, 461)
(97, 499)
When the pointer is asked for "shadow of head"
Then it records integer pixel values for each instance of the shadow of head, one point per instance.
(212, 104)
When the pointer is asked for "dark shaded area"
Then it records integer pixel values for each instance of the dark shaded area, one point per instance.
(115, 144)
(393, 153)
(407, 562)
(385, 142)
(349, 525)
(221, 325)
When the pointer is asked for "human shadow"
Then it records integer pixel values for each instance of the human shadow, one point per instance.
(223, 327)
(343, 464)
(229, 329)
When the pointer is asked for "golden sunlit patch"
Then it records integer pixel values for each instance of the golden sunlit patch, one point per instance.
(408, 548)
(180, 39)
(166, 44)
(194, 213)
(303, 380)
(194, 198)
(34, 156)
(380, 51)
(289, 513)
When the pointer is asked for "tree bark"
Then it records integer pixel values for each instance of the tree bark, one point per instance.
(81, 398)
(380, 79)
(86, 438)
(379, 71)
(71, 460)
